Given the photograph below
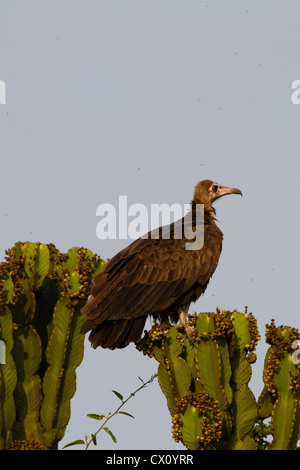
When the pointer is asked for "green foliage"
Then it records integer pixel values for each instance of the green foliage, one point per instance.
(88, 440)
(41, 294)
(205, 382)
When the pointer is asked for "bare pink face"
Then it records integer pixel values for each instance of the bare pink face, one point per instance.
(216, 190)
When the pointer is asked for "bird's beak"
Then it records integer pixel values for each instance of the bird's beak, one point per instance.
(226, 190)
(217, 190)
(222, 191)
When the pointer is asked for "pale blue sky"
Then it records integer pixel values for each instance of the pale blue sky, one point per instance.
(144, 99)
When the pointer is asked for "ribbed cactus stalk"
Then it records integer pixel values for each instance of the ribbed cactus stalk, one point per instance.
(41, 293)
(281, 395)
(206, 381)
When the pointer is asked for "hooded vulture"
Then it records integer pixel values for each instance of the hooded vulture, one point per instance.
(155, 276)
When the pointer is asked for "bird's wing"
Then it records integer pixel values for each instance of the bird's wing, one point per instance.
(145, 278)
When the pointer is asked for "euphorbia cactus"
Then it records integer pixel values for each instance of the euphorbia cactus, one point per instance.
(41, 293)
(206, 381)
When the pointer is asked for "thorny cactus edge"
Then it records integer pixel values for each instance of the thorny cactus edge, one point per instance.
(206, 382)
(41, 293)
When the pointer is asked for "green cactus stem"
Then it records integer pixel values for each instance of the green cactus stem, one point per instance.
(206, 382)
(41, 294)
(282, 383)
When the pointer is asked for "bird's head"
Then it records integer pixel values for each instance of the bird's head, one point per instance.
(206, 192)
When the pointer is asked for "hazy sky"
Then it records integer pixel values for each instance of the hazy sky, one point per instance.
(144, 99)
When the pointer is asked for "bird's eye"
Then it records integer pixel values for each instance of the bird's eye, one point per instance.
(215, 188)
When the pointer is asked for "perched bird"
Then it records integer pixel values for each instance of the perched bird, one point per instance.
(154, 276)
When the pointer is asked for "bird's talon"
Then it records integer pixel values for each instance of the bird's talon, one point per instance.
(179, 327)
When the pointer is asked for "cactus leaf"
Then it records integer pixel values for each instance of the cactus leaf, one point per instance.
(247, 443)
(191, 429)
(23, 311)
(283, 415)
(208, 364)
(64, 353)
(42, 263)
(205, 324)
(29, 252)
(226, 371)
(244, 411)
(241, 369)
(68, 384)
(37, 262)
(27, 354)
(173, 347)
(72, 261)
(166, 387)
(46, 297)
(282, 376)
(265, 404)
(8, 379)
(174, 379)
(7, 290)
(182, 376)
(241, 330)
(296, 429)
(158, 354)
(74, 282)
(174, 374)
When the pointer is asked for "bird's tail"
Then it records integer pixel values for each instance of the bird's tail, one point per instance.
(117, 333)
